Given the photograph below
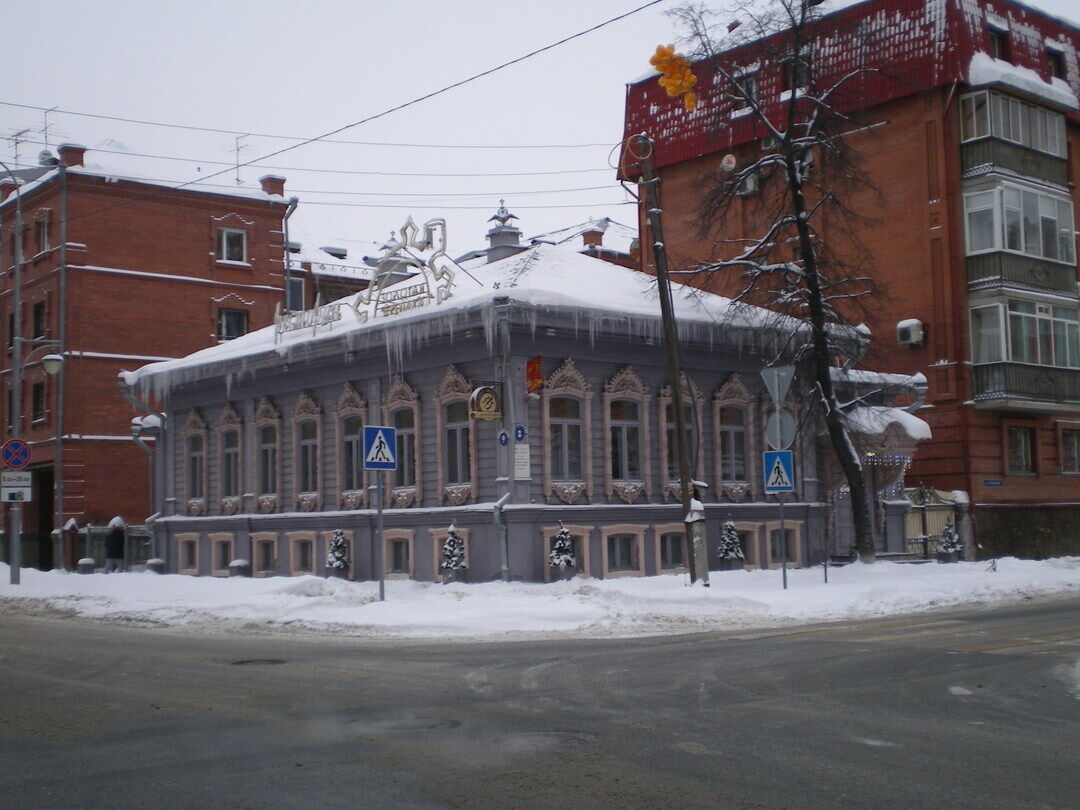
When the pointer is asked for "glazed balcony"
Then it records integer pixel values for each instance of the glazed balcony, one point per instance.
(1019, 386)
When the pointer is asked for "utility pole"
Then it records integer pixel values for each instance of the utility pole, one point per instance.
(696, 550)
(15, 509)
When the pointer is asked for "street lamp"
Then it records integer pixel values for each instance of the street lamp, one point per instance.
(51, 362)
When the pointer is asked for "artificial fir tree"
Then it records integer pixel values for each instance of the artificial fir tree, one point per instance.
(950, 542)
(453, 551)
(337, 555)
(730, 547)
(562, 550)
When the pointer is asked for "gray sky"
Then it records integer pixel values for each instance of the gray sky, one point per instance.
(304, 68)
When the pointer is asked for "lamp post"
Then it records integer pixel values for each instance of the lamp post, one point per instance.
(51, 363)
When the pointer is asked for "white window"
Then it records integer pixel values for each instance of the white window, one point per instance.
(987, 335)
(984, 114)
(1043, 334)
(352, 462)
(732, 431)
(622, 552)
(232, 245)
(1020, 220)
(195, 466)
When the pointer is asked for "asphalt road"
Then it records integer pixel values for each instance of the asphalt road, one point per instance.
(976, 708)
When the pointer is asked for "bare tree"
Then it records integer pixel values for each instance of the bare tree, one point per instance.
(803, 176)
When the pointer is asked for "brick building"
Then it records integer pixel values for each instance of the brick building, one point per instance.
(118, 272)
(968, 128)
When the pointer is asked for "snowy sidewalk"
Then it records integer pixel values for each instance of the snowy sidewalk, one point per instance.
(581, 608)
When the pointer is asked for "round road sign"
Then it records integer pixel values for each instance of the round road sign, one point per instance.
(15, 453)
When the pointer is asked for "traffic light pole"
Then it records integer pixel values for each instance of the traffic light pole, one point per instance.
(696, 550)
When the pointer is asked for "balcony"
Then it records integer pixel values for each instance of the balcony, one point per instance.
(1006, 155)
(1018, 386)
(990, 270)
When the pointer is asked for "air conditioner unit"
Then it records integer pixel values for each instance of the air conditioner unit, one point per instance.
(910, 332)
(748, 186)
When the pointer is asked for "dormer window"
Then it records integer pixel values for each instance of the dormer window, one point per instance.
(1055, 61)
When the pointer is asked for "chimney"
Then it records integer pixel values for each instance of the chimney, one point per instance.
(504, 239)
(593, 234)
(7, 187)
(273, 184)
(71, 154)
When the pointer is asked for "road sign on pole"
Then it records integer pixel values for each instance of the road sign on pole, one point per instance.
(15, 486)
(779, 436)
(380, 448)
(778, 381)
(779, 467)
(15, 453)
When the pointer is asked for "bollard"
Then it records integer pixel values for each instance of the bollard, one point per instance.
(86, 565)
(239, 568)
(155, 566)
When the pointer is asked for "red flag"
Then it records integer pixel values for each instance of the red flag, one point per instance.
(534, 377)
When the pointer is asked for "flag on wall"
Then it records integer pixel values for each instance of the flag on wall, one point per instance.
(534, 377)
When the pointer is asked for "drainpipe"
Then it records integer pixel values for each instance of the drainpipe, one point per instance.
(502, 320)
(293, 202)
(500, 526)
(61, 339)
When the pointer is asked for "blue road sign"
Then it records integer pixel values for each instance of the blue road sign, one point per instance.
(380, 448)
(15, 453)
(779, 468)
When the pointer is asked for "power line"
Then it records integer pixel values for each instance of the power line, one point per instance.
(336, 171)
(410, 103)
(235, 132)
(423, 207)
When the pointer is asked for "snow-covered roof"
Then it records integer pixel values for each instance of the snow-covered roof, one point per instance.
(132, 169)
(617, 236)
(602, 297)
(322, 263)
(872, 420)
(862, 377)
(985, 69)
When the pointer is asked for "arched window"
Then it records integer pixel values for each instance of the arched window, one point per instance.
(672, 443)
(564, 414)
(734, 430)
(692, 407)
(566, 434)
(307, 467)
(625, 433)
(194, 449)
(626, 436)
(230, 463)
(349, 410)
(268, 460)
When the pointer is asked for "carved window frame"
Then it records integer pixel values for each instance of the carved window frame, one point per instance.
(454, 387)
(349, 404)
(734, 394)
(307, 410)
(627, 385)
(401, 395)
(567, 381)
(229, 421)
(195, 427)
(258, 541)
(266, 415)
(691, 394)
(634, 530)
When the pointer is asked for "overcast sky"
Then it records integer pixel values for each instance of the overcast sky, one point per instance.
(304, 68)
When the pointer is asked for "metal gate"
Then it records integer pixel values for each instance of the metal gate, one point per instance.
(931, 510)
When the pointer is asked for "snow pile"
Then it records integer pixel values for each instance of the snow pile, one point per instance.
(874, 419)
(985, 69)
(581, 608)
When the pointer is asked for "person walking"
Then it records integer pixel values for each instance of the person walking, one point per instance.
(114, 546)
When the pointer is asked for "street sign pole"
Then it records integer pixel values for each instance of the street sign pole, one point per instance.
(780, 496)
(777, 381)
(378, 542)
(380, 454)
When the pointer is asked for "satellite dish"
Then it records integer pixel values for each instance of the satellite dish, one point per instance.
(727, 163)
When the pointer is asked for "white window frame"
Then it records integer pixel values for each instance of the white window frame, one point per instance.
(222, 312)
(221, 248)
(997, 209)
(290, 297)
(1002, 334)
(1015, 126)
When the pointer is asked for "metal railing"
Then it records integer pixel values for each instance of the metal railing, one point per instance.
(1027, 382)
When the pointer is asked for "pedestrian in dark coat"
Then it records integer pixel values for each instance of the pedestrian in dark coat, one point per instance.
(114, 546)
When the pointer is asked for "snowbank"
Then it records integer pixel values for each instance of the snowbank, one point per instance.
(580, 608)
(985, 69)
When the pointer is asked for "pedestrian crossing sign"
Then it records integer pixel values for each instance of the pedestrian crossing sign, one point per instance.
(380, 447)
(779, 468)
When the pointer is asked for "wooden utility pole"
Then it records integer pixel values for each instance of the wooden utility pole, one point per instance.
(696, 550)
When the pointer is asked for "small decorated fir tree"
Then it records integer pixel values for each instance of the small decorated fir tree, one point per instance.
(337, 554)
(562, 549)
(950, 541)
(453, 551)
(730, 548)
